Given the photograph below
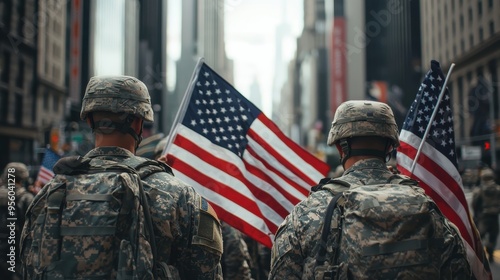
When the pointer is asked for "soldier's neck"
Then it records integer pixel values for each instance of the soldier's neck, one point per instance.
(116, 139)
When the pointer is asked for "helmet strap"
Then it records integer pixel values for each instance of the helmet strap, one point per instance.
(349, 152)
(346, 150)
(106, 126)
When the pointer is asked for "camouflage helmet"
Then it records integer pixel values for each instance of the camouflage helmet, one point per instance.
(487, 174)
(358, 118)
(20, 171)
(117, 94)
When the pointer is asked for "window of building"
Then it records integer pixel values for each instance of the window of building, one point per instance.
(4, 102)
(6, 14)
(21, 10)
(492, 27)
(46, 100)
(462, 45)
(453, 28)
(471, 40)
(55, 71)
(480, 71)
(480, 7)
(18, 114)
(461, 22)
(481, 34)
(20, 74)
(6, 70)
(460, 89)
(470, 14)
(55, 104)
(56, 50)
(469, 76)
(490, 3)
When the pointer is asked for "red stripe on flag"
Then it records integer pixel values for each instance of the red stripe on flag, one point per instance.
(243, 226)
(265, 177)
(322, 167)
(225, 191)
(450, 183)
(229, 169)
(290, 182)
(44, 175)
(221, 188)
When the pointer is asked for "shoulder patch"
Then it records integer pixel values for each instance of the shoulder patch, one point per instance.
(205, 206)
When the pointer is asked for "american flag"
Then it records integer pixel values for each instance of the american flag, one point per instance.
(49, 159)
(238, 159)
(436, 168)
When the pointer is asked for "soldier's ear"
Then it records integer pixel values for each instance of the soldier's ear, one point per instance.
(341, 153)
(137, 125)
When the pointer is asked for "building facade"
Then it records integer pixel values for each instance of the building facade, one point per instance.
(202, 36)
(32, 84)
(51, 72)
(466, 33)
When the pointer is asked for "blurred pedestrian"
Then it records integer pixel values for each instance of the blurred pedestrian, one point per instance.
(260, 258)
(486, 207)
(13, 195)
(235, 259)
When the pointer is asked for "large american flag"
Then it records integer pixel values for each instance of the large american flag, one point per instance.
(49, 159)
(238, 159)
(436, 168)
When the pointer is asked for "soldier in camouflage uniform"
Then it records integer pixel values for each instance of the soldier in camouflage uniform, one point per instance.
(486, 206)
(19, 176)
(186, 228)
(235, 260)
(364, 132)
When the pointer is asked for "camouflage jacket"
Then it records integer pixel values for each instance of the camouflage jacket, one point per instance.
(486, 199)
(235, 260)
(297, 239)
(177, 213)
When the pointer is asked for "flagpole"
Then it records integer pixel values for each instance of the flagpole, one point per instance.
(424, 138)
(184, 104)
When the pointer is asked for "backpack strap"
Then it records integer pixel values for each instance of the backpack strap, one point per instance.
(320, 256)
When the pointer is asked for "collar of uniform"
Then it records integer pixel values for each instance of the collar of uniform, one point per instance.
(109, 151)
(371, 163)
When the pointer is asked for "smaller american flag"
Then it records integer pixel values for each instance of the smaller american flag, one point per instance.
(436, 167)
(49, 159)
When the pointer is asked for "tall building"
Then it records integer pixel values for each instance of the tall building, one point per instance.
(18, 58)
(309, 108)
(202, 36)
(466, 33)
(51, 72)
(33, 77)
(129, 38)
(115, 32)
(152, 56)
(374, 52)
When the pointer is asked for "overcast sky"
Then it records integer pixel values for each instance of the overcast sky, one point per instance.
(250, 40)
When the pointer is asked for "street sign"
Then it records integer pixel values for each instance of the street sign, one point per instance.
(471, 152)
